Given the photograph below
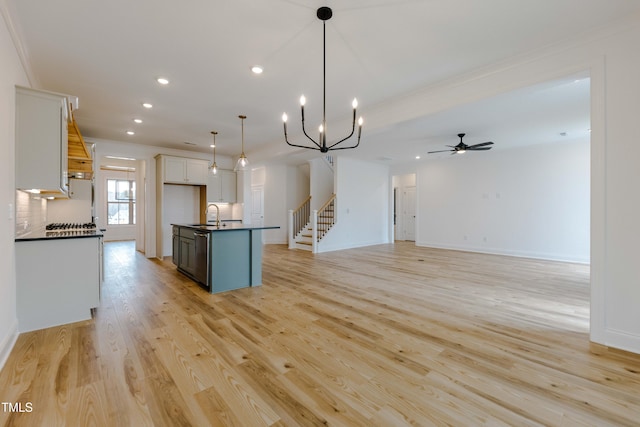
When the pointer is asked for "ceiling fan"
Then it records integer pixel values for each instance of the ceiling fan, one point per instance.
(462, 147)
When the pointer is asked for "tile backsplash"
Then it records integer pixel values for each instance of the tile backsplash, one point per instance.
(31, 213)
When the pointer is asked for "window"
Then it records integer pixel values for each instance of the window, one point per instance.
(121, 202)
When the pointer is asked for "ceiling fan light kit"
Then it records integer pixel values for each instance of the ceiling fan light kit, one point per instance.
(462, 148)
(324, 14)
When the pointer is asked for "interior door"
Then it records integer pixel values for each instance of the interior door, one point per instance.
(257, 205)
(409, 213)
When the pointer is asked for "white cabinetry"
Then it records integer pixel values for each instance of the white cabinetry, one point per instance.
(181, 170)
(57, 281)
(221, 188)
(80, 189)
(41, 141)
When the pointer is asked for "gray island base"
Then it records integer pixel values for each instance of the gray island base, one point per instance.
(219, 258)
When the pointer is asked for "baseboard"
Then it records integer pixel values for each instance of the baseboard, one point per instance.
(8, 342)
(620, 341)
(504, 252)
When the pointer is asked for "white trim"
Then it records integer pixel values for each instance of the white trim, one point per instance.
(598, 213)
(621, 340)
(8, 12)
(7, 344)
(547, 256)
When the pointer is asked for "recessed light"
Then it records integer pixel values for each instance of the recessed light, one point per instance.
(137, 121)
(147, 105)
(257, 69)
(130, 132)
(212, 146)
(417, 157)
(162, 81)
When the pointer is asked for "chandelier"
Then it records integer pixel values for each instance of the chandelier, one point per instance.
(324, 14)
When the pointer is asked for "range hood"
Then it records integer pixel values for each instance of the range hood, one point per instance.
(80, 161)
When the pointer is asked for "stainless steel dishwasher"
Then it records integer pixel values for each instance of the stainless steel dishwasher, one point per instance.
(203, 260)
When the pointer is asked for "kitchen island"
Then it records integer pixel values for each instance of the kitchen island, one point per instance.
(219, 257)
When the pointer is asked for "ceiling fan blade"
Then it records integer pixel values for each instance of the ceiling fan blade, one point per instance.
(481, 144)
(474, 148)
(440, 151)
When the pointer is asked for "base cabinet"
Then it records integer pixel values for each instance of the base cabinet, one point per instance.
(187, 255)
(175, 253)
(57, 281)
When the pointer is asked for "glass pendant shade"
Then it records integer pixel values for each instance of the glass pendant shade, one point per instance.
(214, 167)
(243, 162)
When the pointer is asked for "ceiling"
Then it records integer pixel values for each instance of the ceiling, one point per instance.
(109, 54)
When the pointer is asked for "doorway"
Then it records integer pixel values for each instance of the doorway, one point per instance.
(257, 205)
(120, 199)
(404, 207)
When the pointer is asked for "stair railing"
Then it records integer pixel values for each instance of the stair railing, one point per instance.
(322, 220)
(298, 220)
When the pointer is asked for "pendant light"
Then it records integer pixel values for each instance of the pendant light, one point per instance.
(324, 14)
(243, 162)
(214, 167)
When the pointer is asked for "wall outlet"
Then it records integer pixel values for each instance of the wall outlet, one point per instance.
(10, 211)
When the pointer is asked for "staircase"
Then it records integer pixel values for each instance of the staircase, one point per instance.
(307, 228)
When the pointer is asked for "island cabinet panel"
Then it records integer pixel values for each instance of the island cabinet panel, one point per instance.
(182, 170)
(230, 260)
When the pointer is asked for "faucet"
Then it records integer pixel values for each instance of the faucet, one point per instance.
(217, 213)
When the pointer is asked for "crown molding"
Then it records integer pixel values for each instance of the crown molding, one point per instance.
(7, 9)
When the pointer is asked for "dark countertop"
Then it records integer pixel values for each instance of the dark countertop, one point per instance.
(225, 227)
(56, 235)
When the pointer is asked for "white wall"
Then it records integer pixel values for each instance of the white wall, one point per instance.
(531, 202)
(285, 187)
(362, 200)
(11, 74)
(322, 185)
(181, 206)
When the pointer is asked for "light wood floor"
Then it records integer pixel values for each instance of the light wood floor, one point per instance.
(388, 335)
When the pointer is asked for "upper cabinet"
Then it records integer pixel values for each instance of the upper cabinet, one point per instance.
(41, 142)
(221, 187)
(181, 170)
